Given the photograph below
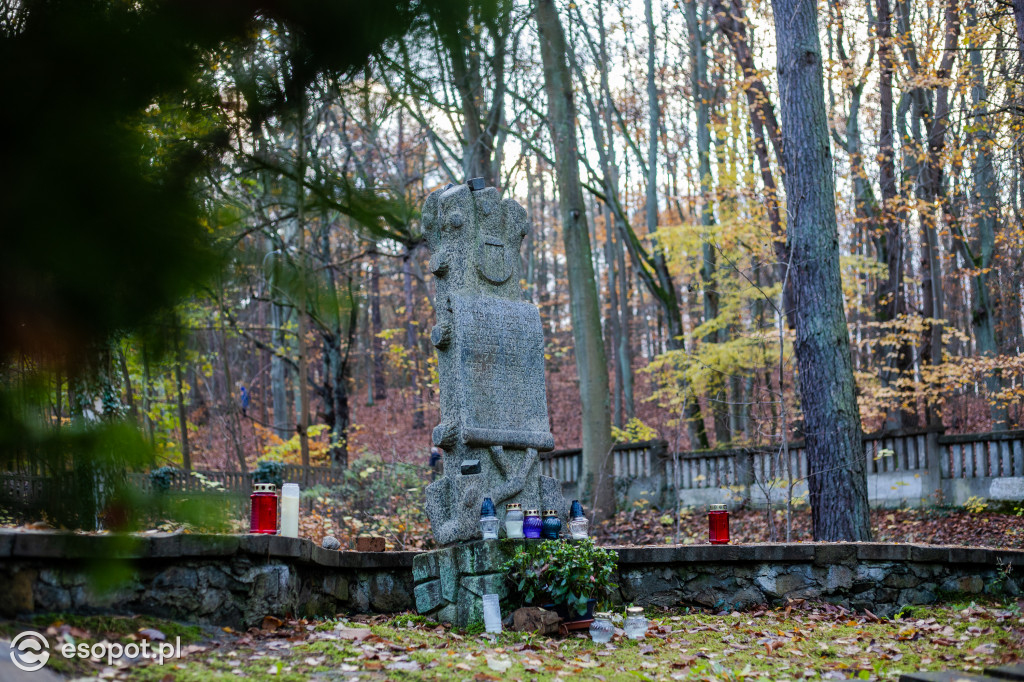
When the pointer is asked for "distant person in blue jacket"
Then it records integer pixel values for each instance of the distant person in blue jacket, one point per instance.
(436, 461)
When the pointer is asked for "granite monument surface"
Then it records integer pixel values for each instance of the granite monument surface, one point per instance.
(490, 349)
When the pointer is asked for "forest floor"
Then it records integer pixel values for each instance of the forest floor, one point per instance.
(406, 527)
(934, 526)
(801, 641)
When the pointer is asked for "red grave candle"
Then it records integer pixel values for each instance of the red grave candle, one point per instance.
(718, 524)
(263, 518)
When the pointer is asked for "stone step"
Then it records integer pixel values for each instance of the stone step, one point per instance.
(1007, 672)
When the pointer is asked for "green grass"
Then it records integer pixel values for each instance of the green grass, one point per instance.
(686, 645)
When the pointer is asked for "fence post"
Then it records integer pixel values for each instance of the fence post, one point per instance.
(744, 462)
(658, 453)
(931, 475)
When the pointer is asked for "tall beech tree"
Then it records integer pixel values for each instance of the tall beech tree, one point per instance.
(837, 480)
(584, 303)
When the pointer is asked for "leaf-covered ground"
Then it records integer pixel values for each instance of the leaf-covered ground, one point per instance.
(802, 641)
(934, 526)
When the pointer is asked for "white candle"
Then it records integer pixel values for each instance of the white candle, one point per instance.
(290, 510)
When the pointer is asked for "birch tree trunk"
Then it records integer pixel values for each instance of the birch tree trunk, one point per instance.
(584, 303)
(837, 481)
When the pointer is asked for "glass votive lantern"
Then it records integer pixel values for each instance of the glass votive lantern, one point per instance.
(492, 613)
(263, 515)
(514, 520)
(531, 524)
(601, 630)
(718, 524)
(552, 525)
(635, 626)
(488, 520)
(578, 523)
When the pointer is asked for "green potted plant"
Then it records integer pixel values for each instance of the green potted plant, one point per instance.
(568, 576)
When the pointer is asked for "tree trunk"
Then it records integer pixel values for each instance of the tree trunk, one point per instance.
(380, 389)
(233, 422)
(837, 480)
(614, 324)
(625, 348)
(1018, 18)
(709, 292)
(930, 187)
(418, 421)
(542, 297)
(584, 303)
(732, 22)
(480, 128)
(179, 360)
(144, 392)
(617, 262)
(890, 302)
(983, 314)
(301, 307)
(133, 411)
(279, 374)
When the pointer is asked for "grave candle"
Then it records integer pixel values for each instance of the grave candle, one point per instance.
(551, 525)
(577, 521)
(514, 520)
(263, 515)
(290, 510)
(488, 520)
(531, 524)
(718, 524)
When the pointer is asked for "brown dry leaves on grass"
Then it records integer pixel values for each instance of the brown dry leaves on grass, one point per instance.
(800, 641)
(927, 526)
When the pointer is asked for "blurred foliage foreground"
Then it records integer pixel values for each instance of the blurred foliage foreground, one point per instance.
(375, 497)
(124, 234)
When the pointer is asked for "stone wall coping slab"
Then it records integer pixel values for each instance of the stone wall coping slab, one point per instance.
(25, 544)
(821, 553)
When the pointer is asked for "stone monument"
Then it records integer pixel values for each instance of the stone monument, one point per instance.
(490, 349)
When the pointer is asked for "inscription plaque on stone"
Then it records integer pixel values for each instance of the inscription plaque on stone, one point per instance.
(490, 348)
(502, 359)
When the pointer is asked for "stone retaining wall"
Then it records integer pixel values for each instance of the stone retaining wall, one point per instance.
(219, 579)
(237, 580)
(878, 577)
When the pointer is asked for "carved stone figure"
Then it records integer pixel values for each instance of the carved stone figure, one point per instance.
(490, 349)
